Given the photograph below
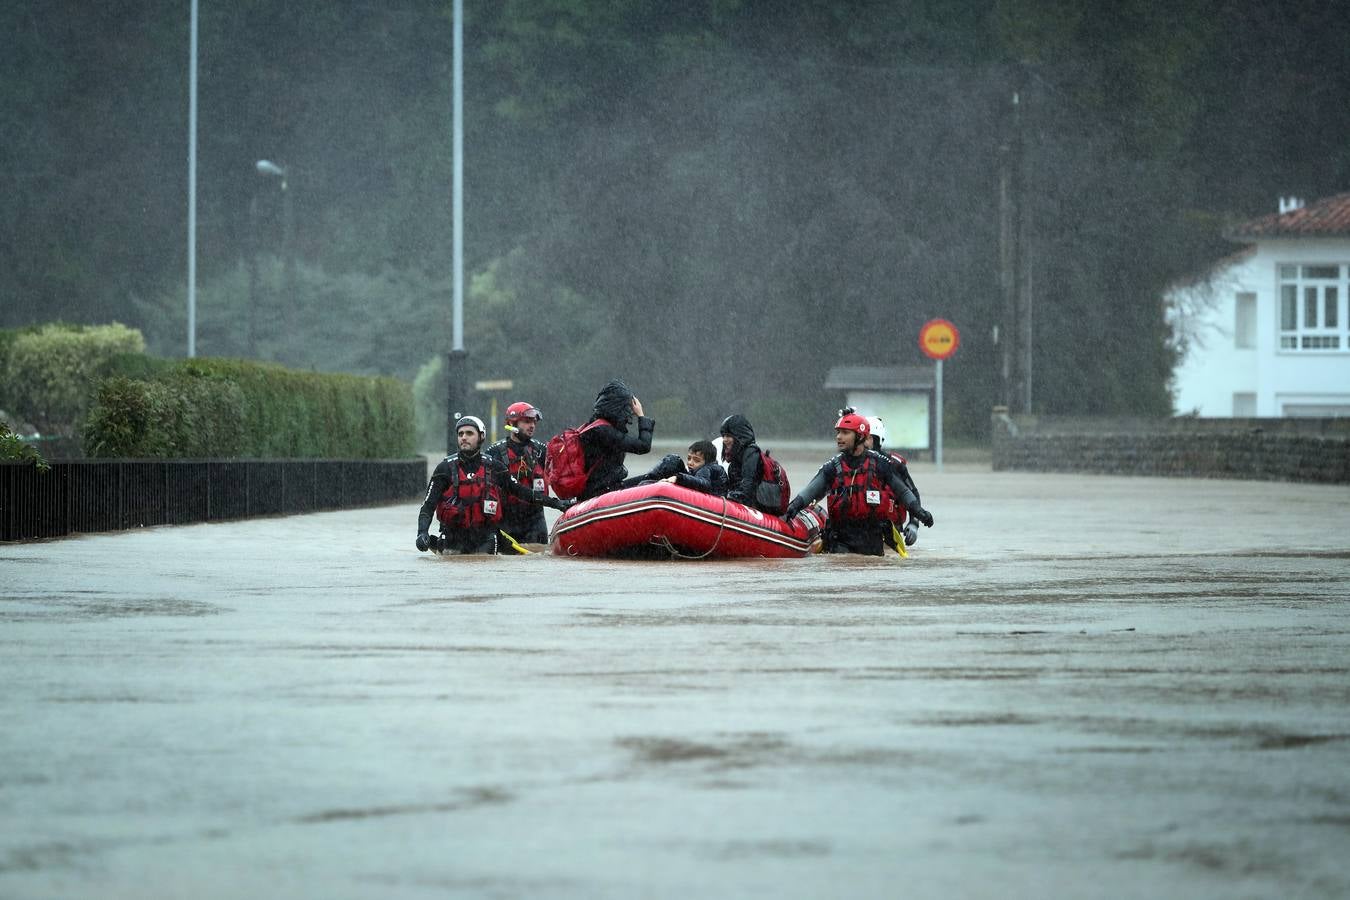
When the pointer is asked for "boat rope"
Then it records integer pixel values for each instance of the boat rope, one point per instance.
(662, 541)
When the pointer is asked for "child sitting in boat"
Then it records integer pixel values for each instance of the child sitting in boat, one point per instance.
(698, 470)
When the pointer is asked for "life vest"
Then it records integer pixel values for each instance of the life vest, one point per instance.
(525, 462)
(472, 499)
(859, 492)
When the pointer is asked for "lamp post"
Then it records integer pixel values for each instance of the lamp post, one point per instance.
(192, 187)
(269, 169)
(456, 361)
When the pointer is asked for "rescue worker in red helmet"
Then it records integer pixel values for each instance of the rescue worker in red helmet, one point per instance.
(524, 457)
(465, 494)
(855, 482)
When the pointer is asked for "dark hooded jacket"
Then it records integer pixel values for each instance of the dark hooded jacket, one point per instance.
(745, 468)
(604, 445)
(710, 478)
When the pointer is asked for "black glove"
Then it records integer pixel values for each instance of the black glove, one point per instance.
(564, 505)
(923, 516)
(736, 496)
(911, 533)
(796, 506)
(423, 541)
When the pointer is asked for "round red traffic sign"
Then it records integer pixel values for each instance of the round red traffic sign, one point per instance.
(938, 339)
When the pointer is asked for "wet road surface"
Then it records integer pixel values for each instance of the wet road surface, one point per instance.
(1076, 686)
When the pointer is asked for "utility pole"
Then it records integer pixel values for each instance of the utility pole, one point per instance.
(1023, 241)
(1015, 283)
(1007, 262)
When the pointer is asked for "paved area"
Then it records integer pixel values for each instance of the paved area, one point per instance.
(1076, 686)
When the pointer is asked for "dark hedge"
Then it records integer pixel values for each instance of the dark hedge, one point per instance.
(213, 408)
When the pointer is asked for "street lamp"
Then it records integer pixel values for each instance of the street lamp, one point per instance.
(456, 362)
(269, 169)
(192, 188)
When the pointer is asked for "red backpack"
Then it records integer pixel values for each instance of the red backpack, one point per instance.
(773, 493)
(565, 467)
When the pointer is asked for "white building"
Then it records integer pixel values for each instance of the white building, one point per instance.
(1267, 331)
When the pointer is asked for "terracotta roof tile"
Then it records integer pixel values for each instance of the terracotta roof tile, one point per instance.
(1324, 218)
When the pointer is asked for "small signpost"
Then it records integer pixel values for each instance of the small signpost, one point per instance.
(501, 384)
(938, 339)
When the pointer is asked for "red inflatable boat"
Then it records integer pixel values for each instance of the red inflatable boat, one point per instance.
(663, 520)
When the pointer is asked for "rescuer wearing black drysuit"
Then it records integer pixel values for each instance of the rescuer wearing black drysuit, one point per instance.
(888, 533)
(745, 463)
(855, 482)
(525, 458)
(604, 445)
(465, 493)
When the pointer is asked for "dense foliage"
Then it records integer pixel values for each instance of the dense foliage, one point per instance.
(717, 200)
(48, 372)
(12, 448)
(227, 408)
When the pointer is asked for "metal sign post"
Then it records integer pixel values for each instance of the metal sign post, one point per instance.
(501, 384)
(937, 431)
(938, 339)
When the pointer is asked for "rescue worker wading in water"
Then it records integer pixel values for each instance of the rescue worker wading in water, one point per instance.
(465, 494)
(902, 520)
(856, 482)
(524, 458)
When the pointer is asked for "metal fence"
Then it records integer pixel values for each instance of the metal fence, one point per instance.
(109, 495)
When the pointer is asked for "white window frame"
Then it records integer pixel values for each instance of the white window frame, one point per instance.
(1311, 333)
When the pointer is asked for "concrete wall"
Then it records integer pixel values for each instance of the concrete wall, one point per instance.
(1315, 450)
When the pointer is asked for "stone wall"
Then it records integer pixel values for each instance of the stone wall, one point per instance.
(1316, 450)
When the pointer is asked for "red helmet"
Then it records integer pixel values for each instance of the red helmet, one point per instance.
(517, 411)
(853, 422)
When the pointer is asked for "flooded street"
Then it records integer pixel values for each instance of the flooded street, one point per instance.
(1077, 685)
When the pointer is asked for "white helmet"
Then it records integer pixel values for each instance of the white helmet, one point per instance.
(471, 420)
(878, 428)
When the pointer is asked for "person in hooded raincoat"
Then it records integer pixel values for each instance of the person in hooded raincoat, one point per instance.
(605, 445)
(745, 462)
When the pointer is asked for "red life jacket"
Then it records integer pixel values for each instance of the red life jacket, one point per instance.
(858, 492)
(525, 462)
(472, 500)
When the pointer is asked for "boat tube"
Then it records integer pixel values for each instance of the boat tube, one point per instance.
(663, 520)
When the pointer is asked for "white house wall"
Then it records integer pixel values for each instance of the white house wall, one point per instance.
(1212, 369)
